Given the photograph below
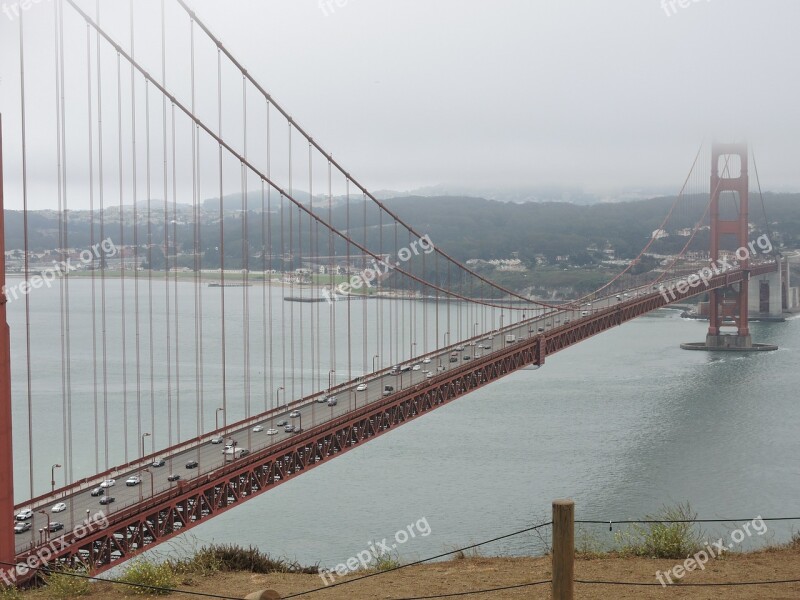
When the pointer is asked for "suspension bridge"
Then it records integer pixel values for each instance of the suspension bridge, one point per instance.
(213, 363)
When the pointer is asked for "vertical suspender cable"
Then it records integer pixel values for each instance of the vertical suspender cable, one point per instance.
(96, 409)
(222, 244)
(26, 249)
(135, 237)
(122, 259)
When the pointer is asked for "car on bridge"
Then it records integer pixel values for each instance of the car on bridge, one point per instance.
(107, 500)
(24, 515)
(426, 361)
(98, 491)
(282, 423)
(361, 387)
(454, 359)
(173, 477)
(294, 414)
(332, 401)
(22, 527)
(272, 431)
(108, 483)
(55, 526)
(159, 462)
(192, 464)
(388, 390)
(258, 429)
(60, 507)
(217, 439)
(289, 429)
(133, 480)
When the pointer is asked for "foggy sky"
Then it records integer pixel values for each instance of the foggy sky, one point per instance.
(601, 95)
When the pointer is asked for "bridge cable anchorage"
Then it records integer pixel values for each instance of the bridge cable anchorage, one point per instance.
(339, 167)
(224, 145)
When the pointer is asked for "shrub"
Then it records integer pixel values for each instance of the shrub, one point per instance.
(144, 572)
(662, 539)
(10, 593)
(386, 562)
(64, 584)
(227, 557)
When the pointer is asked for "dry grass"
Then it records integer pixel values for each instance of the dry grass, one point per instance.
(471, 573)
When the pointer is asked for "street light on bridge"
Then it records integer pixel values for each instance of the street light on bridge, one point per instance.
(278, 396)
(374, 369)
(216, 416)
(144, 435)
(53, 477)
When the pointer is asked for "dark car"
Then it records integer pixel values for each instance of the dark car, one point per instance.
(289, 429)
(56, 526)
(107, 499)
(192, 464)
(98, 491)
(453, 359)
(21, 527)
(467, 357)
(173, 477)
(282, 423)
(159, 462)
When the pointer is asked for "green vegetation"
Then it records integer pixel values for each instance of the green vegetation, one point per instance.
(146, 573)
(661, 539)
(64, 584)
(229, 557)
(386, 562)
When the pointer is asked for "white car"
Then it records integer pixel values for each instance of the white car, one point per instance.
(60, 507)
(108, 483)
(428, 375)
(416, 368)
(24, 515)
(294, 414)
(217, 439)
(272, 431)
(362, 387)
(258, 429)
(426, 361)
(459, 348)
(133, 480)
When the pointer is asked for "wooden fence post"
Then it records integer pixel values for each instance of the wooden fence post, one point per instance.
(563, 549)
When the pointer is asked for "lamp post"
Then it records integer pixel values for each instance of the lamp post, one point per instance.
(413, 349)
(216, 416)
(474, 330)
(53, 477)
(152, 493)
(144, 435)
(445, 338)
(374, 368)
(46, 516)
(331, 379)
(278, 396)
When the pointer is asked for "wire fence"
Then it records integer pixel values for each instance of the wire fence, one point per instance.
(45, 570)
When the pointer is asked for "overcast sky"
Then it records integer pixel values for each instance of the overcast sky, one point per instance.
(601, 95)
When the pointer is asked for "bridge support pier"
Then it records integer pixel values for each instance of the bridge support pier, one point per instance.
(728, 238)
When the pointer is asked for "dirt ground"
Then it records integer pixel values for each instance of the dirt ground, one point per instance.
(470, 574)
